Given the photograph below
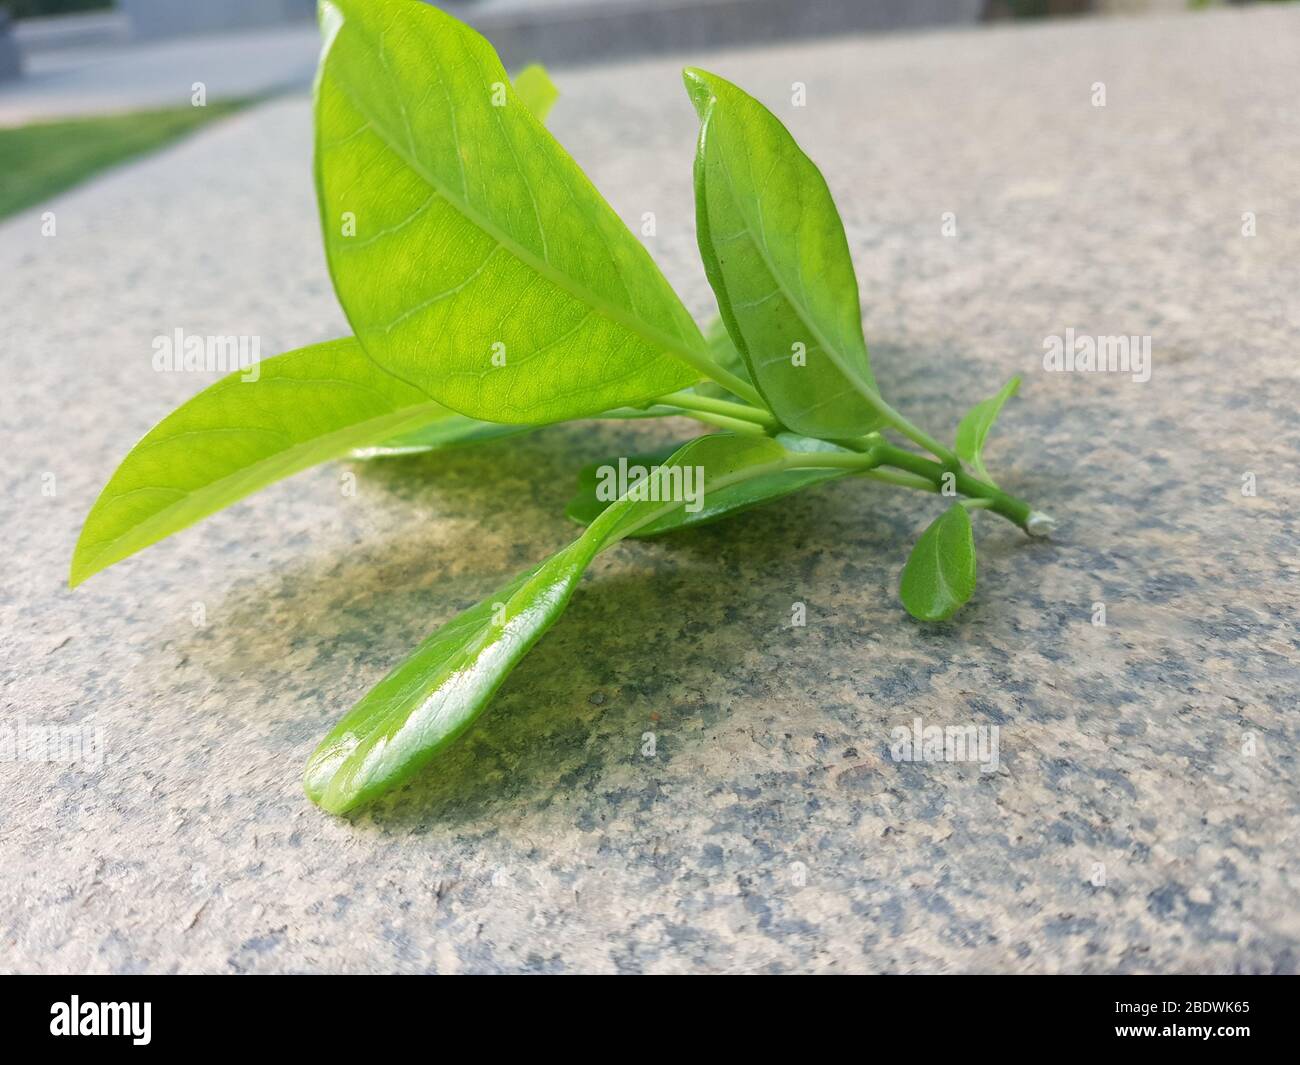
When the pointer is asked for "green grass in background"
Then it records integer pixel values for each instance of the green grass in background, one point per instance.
(46, 158)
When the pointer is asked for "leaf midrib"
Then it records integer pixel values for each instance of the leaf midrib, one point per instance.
(945, 588)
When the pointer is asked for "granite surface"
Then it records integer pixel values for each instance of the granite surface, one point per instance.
(1143, 813)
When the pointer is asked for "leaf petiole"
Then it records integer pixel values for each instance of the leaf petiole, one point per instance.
(722, 421)
(914, 471)
(1014, 510)
(693, 401)
(728, 380)
(903, 480)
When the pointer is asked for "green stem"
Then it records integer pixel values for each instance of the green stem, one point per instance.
(1013, 509)
(917, 435)
(711, 405)
(903, 480)
(919, 472)
(734, 425)
(737, 386)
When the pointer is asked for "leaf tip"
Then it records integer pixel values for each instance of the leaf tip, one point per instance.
(81, 568)
(698, 88)
(322, 777)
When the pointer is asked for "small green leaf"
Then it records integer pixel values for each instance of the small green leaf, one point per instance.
(424, 704)
(775, 253)
(940, 572)
(975, 426)
(586, 505)
(533, 85)
(238, 436)
(472, 256)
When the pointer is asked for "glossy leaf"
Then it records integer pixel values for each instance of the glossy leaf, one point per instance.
(975, 426)
(534, 87)
(940, 572)
(775, 253)
(472, 256)
(238, 436)
(586, 506)
(429, 700)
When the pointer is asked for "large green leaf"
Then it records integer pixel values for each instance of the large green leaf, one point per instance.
(448, 429)
(472, 256)
(238, 436)
(424, 704)
(587, 504)
(775, 253)
(974, 428)
(940, 572)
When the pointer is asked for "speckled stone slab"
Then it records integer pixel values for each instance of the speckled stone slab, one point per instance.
(1143, 812)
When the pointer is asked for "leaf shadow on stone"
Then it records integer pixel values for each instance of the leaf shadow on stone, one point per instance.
(652, 624)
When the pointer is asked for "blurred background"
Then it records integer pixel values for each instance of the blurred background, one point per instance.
(85, 84)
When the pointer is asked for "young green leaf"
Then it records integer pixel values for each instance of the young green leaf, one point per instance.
(587, 504)
(940, 572)
(775, 253)
(535, 88)
(470, 253)
(975, 426)
(306, 406)
(424, 704)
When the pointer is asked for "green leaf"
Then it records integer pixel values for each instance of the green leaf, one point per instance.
(484, 268)
(775, 253)
(237, 436)
(974, 428)
(534, 87)
(429, 700)
(940, 572)
(587, 504)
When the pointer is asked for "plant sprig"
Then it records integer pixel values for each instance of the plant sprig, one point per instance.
(492, 291)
